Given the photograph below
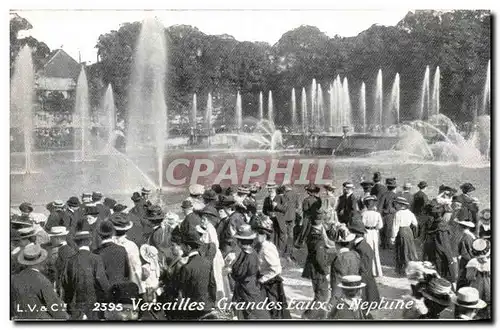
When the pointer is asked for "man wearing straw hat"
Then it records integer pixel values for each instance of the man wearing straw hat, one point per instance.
(437, 297)
(84, 281)
(31, 288)
(59, 252)
(346, 309)
(467, 303)
(347, 203)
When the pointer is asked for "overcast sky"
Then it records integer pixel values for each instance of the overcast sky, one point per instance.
(78, 31)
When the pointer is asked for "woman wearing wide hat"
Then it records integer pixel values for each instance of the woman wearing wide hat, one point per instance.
(270, 267)
(467, 303)
(479, 273)
(484, 224)
(403, 236)
(247, 289)
(437, 295)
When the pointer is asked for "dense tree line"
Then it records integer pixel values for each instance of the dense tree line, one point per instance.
(456, 41)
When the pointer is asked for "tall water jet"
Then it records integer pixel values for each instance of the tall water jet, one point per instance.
(435, 92)
(303, 109)
(270, 115)
(147, 110)
(238, 112)
(261, 106)
(362, 106)
(194, 112)
(379, 102)
(82, 111)
(346, 103)
(21, 107)
(109, 113)
(314, 86)
(320, 114)
(294, 110)
(485, 109)
(208, 114)
(331, 106)
(394, 102)
(425, 96)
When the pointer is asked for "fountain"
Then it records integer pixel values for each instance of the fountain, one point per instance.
(303, 109)
(109, 114)
(393, 115)
(208, 114)
(22, 92)
(294, 110)
(346, 103)
(362, 105)
(425, 96)
(194, 112)
(435, 92)
(270, 114)
(312, 120)
(379, 102)
(147, 110)
(320, 111)
(261, 106)
(485, 108)
(82, 112)
(238, 112)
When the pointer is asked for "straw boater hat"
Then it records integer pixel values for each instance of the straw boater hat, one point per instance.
(245, 232)
(145, 191)
(481, 246)
(80, 235)
(59, 203)
(271, 185)
(171, 218)
(407, 185)
(468, 297)
(245, 190)
(401, 200)
(344, 235)
(148, 252)
(155, 214)
(437, 290)
(120, 221)
(469, 224)
(26, 232)
(31, 255)
(86, 196)
(351, 282)
(26, 207)
(370, 198)
(311, 187)
(348, 184)
(196, 189)
(329, 186)
(58, 231)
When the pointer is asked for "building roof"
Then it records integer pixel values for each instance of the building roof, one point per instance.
(61, 65)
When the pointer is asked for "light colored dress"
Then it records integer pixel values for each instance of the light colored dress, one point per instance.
(373, 223)
(210, 236)
(134, 261)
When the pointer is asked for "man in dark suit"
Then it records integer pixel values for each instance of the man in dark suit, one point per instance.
(347, 204)
(114, 257)
(378, 188)
(73, 214)
(191, 219)
(210, 199)
(84, 280)
(196, 278)
(406, 193)
(57, 217)
(387, 210)
(291, 208)
(30, 288)
(310, 208)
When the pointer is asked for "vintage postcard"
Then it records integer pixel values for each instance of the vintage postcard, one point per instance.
(250, 165)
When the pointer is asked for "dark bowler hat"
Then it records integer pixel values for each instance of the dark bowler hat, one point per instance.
(31, 255)
(209, 195)
(377, 177)
(438, 290)
(446, 188)
(217, 188)
(26, 207)
(245, 232)
(105, 229)
(26, 232)
(120, 221)
(96, 195)
(72, 201)
(280, 190)
(352, 282)
(109, 202)
(391, 182)
(422, 184)
(119, 208)
(208, 211)
(357, 227)
(467, 187)
(124, 292)
(192, 237)
(367, 184)
(136, 197)
(227, 201)
(92, 210)
(186, 204)
(154, 213)
(311, 187)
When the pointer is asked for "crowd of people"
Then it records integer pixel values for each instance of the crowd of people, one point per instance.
(101, 260)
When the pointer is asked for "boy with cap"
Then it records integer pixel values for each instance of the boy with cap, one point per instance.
(31, 288)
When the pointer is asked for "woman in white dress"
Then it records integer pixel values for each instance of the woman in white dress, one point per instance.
(373, 223)
(403, 236)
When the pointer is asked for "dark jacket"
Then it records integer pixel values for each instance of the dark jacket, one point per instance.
(63, 254)
(292, 205)
(189, 223)
(317, 260)
(420, 199)
(30, 289)
(214, 219)
(437, 249)
(84, 282)
(277, 211)
(366, 254)
(115, 261)
(310, 206)
(469, 210)
(58, 218)
(346, 207)
(385, 205)
(378, 190)
(196, 281)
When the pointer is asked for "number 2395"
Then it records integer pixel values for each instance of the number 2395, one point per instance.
(107, 307)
